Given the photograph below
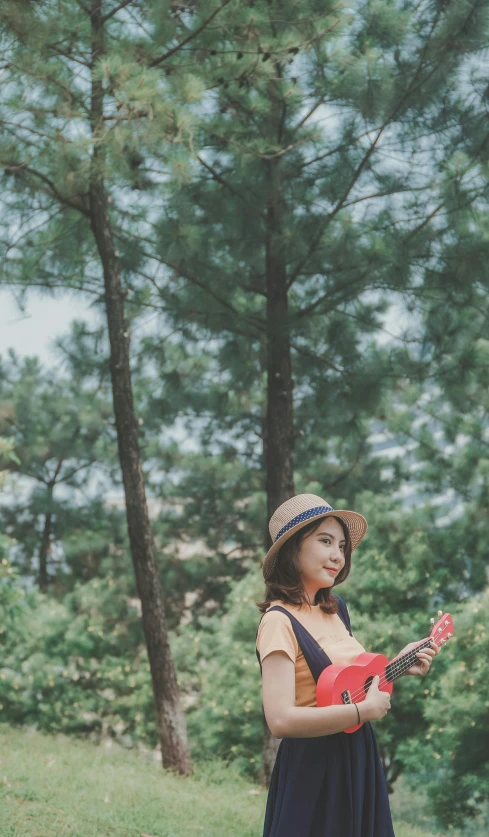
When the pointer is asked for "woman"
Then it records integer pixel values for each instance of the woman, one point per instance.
(325, 782)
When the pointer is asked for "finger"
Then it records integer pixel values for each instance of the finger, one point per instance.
(423, 657)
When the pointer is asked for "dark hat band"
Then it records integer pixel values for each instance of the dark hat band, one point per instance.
(303, 516)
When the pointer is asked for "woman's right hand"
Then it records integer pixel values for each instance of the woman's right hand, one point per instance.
(376, 704)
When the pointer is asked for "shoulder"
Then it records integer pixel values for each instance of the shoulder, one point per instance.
(274, 617)
(275, 633)
(275, 623)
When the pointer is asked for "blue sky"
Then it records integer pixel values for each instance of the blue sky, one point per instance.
(32, 331)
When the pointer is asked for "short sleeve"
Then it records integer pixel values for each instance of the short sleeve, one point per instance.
(276, 634)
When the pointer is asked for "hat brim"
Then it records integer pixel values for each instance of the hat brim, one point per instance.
(356, 523)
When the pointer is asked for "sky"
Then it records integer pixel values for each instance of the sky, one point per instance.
(32, 331)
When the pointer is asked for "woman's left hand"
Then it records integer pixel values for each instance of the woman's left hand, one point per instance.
(425, 656)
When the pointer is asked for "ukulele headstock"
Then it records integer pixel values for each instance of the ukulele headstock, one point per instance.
(443, 630)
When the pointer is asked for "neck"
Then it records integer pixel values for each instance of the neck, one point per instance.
(311, 595)
(401, 664)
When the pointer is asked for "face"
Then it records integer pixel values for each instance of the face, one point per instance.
(319, 550)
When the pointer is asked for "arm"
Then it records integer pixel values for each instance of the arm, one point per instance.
(285, 719)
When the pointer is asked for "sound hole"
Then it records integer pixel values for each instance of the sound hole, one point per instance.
(368, 682)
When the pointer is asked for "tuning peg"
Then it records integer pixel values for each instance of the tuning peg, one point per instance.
(447, 622)
(449, 635)
(440, 612)
(432, 621)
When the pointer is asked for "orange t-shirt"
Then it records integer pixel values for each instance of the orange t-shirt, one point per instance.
(276, 633)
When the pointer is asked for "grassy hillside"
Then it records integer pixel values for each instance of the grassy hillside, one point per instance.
(60, 787)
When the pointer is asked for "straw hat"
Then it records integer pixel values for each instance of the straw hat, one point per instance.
(300, 510)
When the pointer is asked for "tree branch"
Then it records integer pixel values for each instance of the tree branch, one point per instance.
(116, 9)
(75, 471)
(319, 358)
(219, 177)
(364, 161)
(157, 61)
(19, 168)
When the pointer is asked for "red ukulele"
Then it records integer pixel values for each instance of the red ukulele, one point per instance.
(350, 684)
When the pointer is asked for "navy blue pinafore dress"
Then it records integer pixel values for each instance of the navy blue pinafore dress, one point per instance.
(331, 785)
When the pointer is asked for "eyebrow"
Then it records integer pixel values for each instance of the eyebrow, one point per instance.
(330, 536)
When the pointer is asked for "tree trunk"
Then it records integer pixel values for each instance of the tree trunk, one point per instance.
(279, 432)
(169, 712)
(44, 551)
(391, 772)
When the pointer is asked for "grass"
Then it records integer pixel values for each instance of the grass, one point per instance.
(54, 786)
(60, 787)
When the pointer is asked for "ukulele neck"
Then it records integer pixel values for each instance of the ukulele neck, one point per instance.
(400, 665)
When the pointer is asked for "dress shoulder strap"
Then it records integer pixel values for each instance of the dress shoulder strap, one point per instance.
(343, 614)
(316, 658)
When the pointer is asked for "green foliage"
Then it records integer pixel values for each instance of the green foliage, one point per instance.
(7, 456)
(60, 430)
(11, 593)
(220, 678)
(78, 665)
(455, 744)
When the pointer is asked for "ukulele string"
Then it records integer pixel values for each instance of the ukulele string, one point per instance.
(397, 666)
(410, 657)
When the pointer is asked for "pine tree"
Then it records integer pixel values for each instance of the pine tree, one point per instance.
(74, 94)
(295, 227)
(59, 430)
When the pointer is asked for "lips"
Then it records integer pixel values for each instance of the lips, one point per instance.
(332, 571)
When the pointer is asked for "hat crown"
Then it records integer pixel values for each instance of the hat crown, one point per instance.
(292, 508)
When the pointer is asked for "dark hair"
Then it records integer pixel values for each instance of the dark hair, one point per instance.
(285, 583)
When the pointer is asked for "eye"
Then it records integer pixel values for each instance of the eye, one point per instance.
(328, 540)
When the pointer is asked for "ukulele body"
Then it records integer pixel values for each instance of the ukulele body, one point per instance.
(341, 685)
(344, 684)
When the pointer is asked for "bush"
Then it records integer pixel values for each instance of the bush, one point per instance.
(79, 666)
(220, 680)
